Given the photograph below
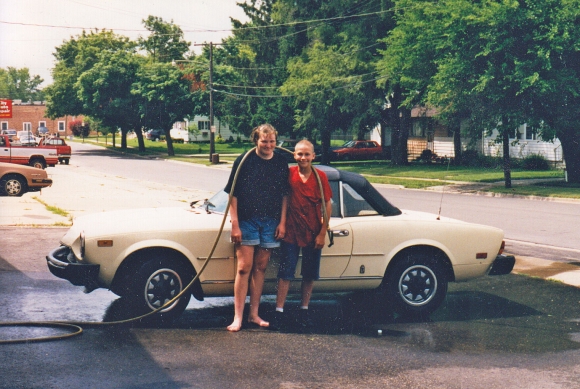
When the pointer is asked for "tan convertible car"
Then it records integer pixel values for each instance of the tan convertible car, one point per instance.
(149, 255)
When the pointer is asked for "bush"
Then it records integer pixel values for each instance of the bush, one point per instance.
(535, 162)
(472, 158)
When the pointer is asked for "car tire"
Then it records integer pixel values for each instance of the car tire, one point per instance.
(416, 284)
(37, 163)
(66, 161)
(13, 186)
(156, 282)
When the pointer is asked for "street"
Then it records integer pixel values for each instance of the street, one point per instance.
(495, 332)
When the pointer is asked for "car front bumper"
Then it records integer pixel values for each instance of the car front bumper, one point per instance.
(503, 264)
(63, 264)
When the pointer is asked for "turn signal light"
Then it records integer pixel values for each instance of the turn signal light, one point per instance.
(105, 243)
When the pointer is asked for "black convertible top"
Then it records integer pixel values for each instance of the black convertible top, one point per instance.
(363, 187)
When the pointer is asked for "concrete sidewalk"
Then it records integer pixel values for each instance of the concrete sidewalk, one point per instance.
(77, 191)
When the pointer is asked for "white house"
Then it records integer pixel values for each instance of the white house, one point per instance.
(202, 123)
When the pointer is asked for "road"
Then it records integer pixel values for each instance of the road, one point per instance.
(532, 227)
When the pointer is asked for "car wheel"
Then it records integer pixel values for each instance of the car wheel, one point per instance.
(157, 281)
(13, 186)
(416, 285)
(37, 163)
(66, 161)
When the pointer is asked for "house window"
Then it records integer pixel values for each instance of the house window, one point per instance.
(61, 126)
(417, 130)
(531, 133)
(203, 125)
(27, 126)
(41, 124)
(4, 126)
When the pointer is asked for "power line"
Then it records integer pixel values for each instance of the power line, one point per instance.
(301, 94)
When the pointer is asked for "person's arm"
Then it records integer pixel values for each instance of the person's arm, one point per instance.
(281, 229)
(321, 237)
(236, 234)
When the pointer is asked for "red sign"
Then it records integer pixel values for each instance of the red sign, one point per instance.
(5, 109)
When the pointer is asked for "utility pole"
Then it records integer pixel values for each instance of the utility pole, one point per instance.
(211, 125)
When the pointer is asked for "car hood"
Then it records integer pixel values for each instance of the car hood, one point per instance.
(146, 220)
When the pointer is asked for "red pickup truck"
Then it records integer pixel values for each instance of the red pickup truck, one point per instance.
(25, 155)
(63, 150)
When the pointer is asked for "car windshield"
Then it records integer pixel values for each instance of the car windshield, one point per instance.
(217, 203)
(353, 204)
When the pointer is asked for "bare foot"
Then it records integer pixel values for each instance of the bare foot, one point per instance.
(259, 321)
(235, 326)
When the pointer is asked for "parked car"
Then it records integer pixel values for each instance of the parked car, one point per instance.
(15, 180)
(357, 150)
(63, 150)
(290, 144)
(155, 135)
(12, 134)
(407, 258)
(26, 155)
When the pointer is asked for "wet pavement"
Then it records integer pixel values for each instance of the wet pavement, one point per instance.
(495, 332)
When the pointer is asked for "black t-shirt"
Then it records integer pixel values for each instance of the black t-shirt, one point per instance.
(260, 187)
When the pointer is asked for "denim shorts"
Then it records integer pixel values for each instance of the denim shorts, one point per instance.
(289, 260)
(259, 231)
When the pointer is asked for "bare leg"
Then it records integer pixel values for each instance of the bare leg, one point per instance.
(261, 258)
(307, 286)
(245, 255)
(283, 287)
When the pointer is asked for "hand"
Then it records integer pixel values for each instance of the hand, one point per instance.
(236, 234)
(319, 241)
(280, 232)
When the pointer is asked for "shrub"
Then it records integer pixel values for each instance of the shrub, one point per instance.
(535, 162)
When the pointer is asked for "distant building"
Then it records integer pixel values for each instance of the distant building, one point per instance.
(29, 116)
(202, 123)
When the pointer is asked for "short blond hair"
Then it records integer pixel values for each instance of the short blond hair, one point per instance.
(305, 142)
(265, 128)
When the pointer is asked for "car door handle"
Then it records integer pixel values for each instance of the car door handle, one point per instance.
(340, 232)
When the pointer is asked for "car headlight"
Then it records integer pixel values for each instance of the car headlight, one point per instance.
(83, 243)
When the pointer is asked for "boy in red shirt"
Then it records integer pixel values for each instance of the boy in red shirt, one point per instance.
(305, 230)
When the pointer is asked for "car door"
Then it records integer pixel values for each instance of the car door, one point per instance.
(4, 151)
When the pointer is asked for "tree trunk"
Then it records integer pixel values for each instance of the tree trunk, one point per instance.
(507, 174)
(457, 144)
(123, 139)
(570, 139)
(140, 140)
(400, 134)
(169, 142)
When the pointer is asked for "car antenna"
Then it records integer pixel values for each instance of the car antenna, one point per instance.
(443, 191)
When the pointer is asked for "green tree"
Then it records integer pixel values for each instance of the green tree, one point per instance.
(74, 57)
(164, 97)
(105, 90)
(19, 84)
(165, 42)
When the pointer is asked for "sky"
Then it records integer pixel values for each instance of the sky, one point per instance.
(30, 30)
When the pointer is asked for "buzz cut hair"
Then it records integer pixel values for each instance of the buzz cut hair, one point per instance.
(305, 142)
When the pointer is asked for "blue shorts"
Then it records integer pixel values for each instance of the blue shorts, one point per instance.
(259, 231)
(289, 260)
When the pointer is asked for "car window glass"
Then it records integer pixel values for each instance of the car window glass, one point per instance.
(354, 204)
(335, 198)
(217, 203)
